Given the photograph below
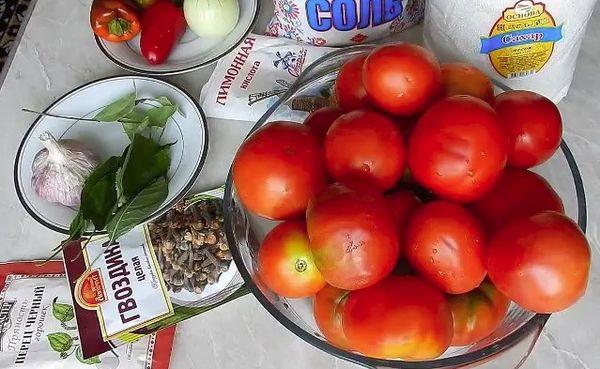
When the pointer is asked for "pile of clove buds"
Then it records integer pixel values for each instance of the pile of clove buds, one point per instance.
(190, 245)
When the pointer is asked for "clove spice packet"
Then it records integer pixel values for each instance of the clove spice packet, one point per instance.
(38, 328)
(153, 277)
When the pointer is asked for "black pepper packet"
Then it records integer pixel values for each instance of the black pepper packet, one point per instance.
(119, 293)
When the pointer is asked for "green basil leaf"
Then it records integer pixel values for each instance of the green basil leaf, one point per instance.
(91, 361)
(118, 109)
(138, 208)
(159, 116)
(132, 128)
(77, 227)
(145, 161)
(59, 341)
(62, 312)
(135, 116)
(99, 194)
(163, 100)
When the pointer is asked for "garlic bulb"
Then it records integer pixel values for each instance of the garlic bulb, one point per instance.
(211, 18)
(60, 170)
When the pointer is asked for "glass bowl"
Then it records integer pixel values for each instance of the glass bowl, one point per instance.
(507, 347)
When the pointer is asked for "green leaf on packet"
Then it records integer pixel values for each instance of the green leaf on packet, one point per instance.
(137, 209)
(62, 312)
(60, 342)
(91, 361)
(118, 109)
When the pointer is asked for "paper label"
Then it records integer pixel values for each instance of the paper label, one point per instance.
(522, 40)
(38, 330)
(122, 284)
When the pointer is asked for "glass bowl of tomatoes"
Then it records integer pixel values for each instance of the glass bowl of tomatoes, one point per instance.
(516, 330)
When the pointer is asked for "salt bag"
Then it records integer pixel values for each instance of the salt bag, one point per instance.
(524, 44)
(342, 22)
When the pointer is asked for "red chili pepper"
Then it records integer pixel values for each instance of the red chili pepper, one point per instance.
(114, 20)
(164, 24)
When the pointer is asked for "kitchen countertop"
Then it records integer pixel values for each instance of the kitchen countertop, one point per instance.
(57, 53)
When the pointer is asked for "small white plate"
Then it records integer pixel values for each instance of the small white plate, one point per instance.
(192, 52)
(187, 128)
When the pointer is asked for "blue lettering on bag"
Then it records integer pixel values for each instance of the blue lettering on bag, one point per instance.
(345, 15)
(313, 7)
(521, 37)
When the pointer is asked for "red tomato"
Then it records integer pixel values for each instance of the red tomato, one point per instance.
(477, 313)
(402, 79)
(465, 79)
(328, 308)
(458, 149)
(349, 90)
(320, 120)
(352, 236)
(533, 124)
(517, 193)
(403, 204)
(444, 243)
(278, 169)
(541, 262)
(365, 145)
(402, 317)
(285, 263)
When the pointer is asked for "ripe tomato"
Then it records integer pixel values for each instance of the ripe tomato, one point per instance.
(403, 204)
(278, 169)
(402, 79)
(328, 308)
(352, 236)
(477, 313)
(458, 149)
(365, 145)
(465, 79)
(320, 120)
(541, 262)
(401, 317)
(349, 90)
(445, 243)
(533, 124)
(517, 193)
(285, 263)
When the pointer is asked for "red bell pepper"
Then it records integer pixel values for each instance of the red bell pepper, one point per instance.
(114, 20)
(164, 24)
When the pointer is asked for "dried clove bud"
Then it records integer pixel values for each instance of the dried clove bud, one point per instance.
(190, 244)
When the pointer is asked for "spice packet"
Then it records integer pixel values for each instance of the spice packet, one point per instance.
(250, 79)
(155, 276)
(38, 329)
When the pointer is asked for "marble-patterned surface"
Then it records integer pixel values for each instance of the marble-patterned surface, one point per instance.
(57, 53)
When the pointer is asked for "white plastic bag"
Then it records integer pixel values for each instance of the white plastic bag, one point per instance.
(342, 22)
(250, 79)
(524, 44)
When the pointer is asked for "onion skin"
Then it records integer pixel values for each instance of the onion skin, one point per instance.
(211, 18)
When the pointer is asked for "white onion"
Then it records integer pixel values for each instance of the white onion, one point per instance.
(211, 18)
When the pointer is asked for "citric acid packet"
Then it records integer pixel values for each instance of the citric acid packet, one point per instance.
(250, 79)
(38, 328)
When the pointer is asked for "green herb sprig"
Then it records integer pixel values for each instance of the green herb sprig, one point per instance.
(124, 190)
